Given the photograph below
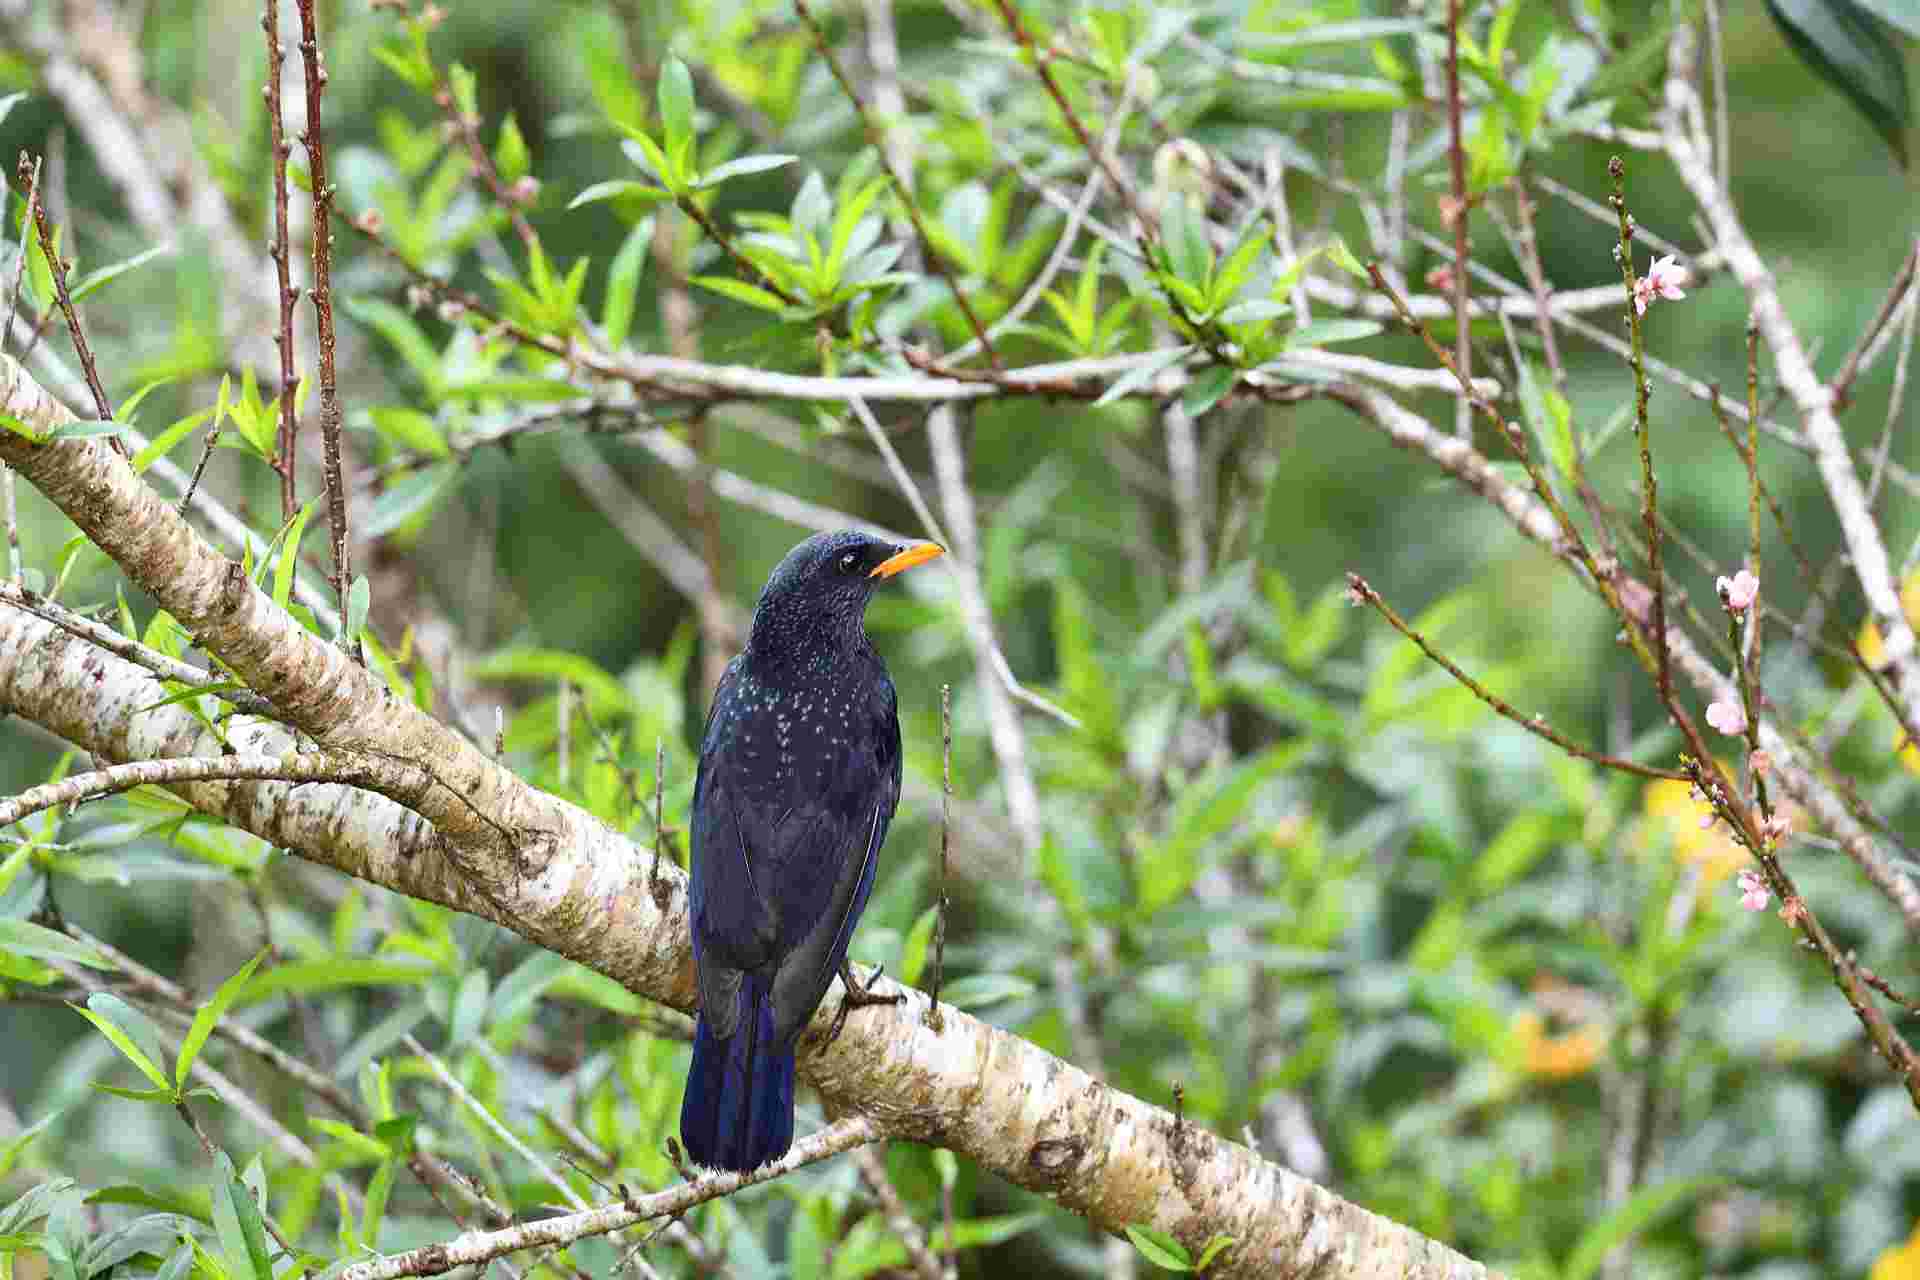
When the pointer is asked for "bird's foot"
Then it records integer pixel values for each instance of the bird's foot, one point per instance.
(857, 996)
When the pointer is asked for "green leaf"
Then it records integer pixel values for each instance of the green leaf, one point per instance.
(37, 1202)
(1629, 69)
(1159, 1248)
(645, 155)
(1142, 374)
(20, 969)
(407, 497)
(617, 187)
(236, 1216)
(1208, 387)
(523, 389)
(1897, 13)
(1324, 332)
(623, 282)
(409, 63)
(14, 1147)
(1853, 54)
(209, 1015)
(740, 291)
(410, 429)
(379, 1187)
(1253, 311)
(23, 937)
(976, 991)
(1343, 258)
(110, 1015)
(290, 554)
(400, 331)
(1527, 837)
(137, 1095)
(86, 429)
(1184, 234)
(94, 281)
(1550, 417)
(178, 1264)
(469, 1008)
(878, 1251)
(676, 105)
(516, 992)
(359, 599)
(551, 665)
(1636, 1215)
(913, 948)
(1220, 1243)
(1204, 812)
(742, 166)
(162, 444)
(130, 407)
(191, 692)
(510, 154)
(20, 428)
(308, 976)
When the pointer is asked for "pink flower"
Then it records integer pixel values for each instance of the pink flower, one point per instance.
(1728, 716)
(1738, 592)
(1663, 280)
(1636, 597)
(1753, 891)
(1775, 829)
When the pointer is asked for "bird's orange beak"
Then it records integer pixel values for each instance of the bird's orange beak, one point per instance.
(906, 558)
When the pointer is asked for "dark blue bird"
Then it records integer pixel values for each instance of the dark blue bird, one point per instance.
(799, 776)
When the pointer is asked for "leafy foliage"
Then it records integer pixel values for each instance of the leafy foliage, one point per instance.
(1488, 990)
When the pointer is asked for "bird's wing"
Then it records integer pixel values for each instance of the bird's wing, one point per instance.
(735, 924)
(831, 865)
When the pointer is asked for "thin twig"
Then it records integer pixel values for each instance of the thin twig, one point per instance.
(934, 1017)
(279, 249)
(1649, 484)
(20, 264)
(1456, 220)
(480, 1247)
(1842, 384)
(872, 1165)
(331, 417)
(57, 268)
(1536, 725)
(105, 637)
(316, 766)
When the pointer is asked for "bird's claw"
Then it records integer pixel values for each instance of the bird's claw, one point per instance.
(856, 996)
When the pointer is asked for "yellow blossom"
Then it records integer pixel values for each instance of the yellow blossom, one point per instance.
(1873, 651)
(1900, 1261)
(1672, 810)
(1555, 1057)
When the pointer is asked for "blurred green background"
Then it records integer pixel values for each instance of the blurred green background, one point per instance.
(1439, 940)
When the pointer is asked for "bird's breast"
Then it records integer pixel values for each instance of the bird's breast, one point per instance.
(792, 739)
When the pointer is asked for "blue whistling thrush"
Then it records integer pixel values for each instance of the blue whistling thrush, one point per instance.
(799, 776)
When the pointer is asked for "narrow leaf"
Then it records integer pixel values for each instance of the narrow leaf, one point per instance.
(1631, 1218)
(1159, 1248)
(676, 104)
(104, 1012)
(209, 1016)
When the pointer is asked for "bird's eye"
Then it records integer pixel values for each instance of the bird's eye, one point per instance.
(848, 561)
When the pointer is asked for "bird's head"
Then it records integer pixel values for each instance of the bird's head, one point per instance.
(817, 597)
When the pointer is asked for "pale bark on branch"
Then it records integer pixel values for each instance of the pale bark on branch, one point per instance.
(480, 840)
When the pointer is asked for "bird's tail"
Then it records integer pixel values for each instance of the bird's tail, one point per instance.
(738, 1112)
